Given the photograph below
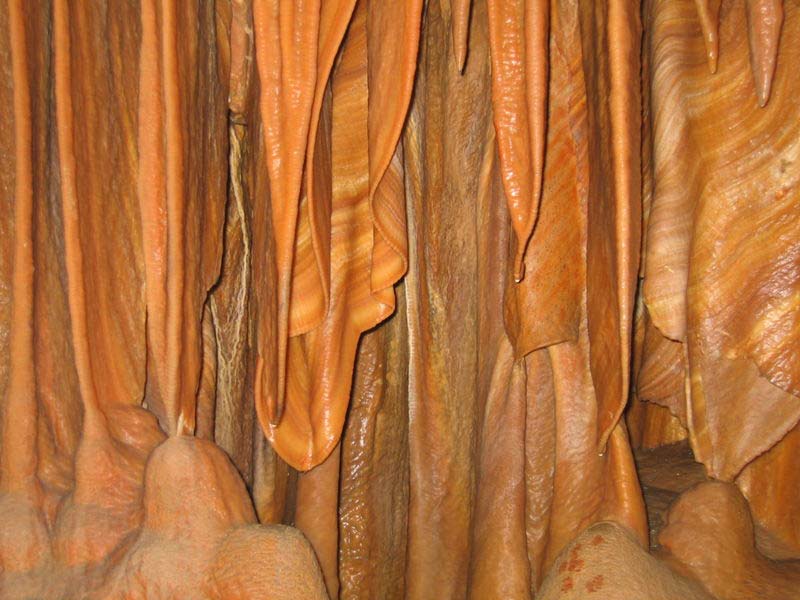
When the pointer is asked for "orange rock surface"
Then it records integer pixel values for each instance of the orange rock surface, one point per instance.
(362, 298)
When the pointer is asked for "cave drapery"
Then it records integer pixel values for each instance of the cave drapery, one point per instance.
(426, 272)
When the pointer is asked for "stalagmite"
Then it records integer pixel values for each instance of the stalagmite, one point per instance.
(606, 563)
(709, 533)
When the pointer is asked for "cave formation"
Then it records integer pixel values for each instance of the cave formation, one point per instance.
(376, 299)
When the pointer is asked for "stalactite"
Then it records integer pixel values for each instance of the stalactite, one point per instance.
(708, 13)
(102, 507)
(460, 30)
(365, 229)
(286, 39)
(612, 380)
(18, 456)
(291, 437)
(69, 192)
(152, 203)
(519, 32)
(23, 543)
(177, 225)
(545, 308)
(764, 21)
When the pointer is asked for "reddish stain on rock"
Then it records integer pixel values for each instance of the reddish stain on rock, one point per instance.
(563, 566)
(594, 584)
(567, 584)
(597, 540)
(575, 565)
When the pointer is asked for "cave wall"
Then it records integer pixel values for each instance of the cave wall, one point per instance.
(406, 264)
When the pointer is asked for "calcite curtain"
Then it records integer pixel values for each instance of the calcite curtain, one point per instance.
(718, 323)
(405, 263)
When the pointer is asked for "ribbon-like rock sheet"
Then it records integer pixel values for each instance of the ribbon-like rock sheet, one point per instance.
(310, 373)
